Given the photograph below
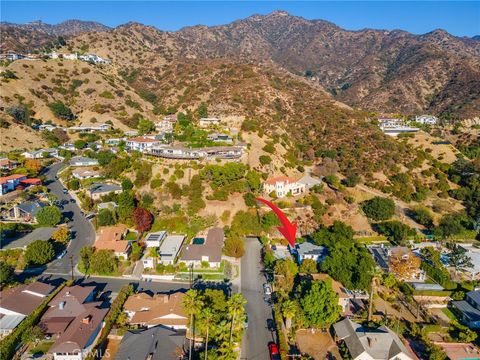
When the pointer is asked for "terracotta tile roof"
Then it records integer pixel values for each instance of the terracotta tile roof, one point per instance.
(32, 181)
(277, 179)
(110, 238)
(4, 179)
(159, 309)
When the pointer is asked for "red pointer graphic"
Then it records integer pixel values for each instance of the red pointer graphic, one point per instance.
(288, 229)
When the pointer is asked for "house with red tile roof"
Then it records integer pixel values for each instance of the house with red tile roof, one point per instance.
(9, 183)
(283, 185)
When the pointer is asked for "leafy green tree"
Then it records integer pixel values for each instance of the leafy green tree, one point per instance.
(378, 208)
(289, 310)
(39, 252)
(250, 199)
(126, 205)
(127, 184)
(61, 235)
(221, 175)
(286, 270)
(244, 223)
(103, 262)
(115, 168)
(7, 274)
(49, 216)
(104, 157)
(20, 113)
(73, 184)
(106, 217)
(450, 225)
(234, 247)
(62, 111)
(265, 159)
(308, 266)
(86, 254)
(79, 144)
(145, 126)
(320, 304)
(458, 257)
(422, 216)
(395, 231)
(202, 111)
(254, 181)
(352, 180)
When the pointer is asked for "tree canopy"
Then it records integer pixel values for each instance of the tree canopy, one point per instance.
(49, 216)
(319, 303)
(378, 208)
(39, 252)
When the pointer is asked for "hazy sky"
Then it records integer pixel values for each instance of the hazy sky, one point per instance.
(457, 17)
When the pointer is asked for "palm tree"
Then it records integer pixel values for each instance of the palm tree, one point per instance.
(207, 317)
(192, 304)
(153, 253)
(289, 309)
(235, 306)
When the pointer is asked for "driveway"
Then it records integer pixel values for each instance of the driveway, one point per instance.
(43, 233)
(83, 233)
(256, 338)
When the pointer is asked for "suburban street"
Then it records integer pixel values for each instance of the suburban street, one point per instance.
(83, 233)
(257, 336)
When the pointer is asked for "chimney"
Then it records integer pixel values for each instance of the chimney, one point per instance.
(87, 319)
(165, 299)
(61, 306)
(67, 293)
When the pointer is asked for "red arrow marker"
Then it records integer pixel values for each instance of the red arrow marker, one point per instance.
(288, 230)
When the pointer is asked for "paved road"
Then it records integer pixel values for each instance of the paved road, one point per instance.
(82, 230)
(257, 336)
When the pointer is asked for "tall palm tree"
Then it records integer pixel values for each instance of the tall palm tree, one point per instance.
(289, 309)
(192, 304)
(235, 306)
(207, 318)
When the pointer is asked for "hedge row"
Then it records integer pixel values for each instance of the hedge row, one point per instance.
(10, 343)
(282, 340)
(111, 318)
(439, 276)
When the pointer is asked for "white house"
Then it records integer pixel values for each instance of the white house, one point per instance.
(102, 128)
(283, 185)
(40, 154)
(142, 143)
(83, 161)
(206, 122)
(426, 119)
(170, 248)
(155, 239)
(164, 126)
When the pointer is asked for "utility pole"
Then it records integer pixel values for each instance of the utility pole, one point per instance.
(191, 275)
(71, 264)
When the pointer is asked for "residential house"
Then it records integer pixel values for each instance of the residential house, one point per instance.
(114, 141)
(469, 309)
(155, 239)
(25, 183)
(156, 343)
(281, 186)
(142, 143)
(48, 127)
(459, 351)
(19, 302)
(161, 309)
(183, 153)
(170, 118)
(473, 252)
(95, 59)
(349, 300)
(9, 183)
(164, 126)
(86, 173)
(97, 190)
(26, 211)
(426, 119)
(83, 161)
(101, 128)
(169, 249)
(40, 154)
(371, 344)
(206, 122)
(7, 164)
(109, 205)
(112, 238)
(205, 249)
(68, 147)
(218, 137)
(281, 252)
(131, 133)
(74, 320)
(11, 56)
(308, 250)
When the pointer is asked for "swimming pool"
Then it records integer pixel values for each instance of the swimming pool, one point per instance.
(198, 241)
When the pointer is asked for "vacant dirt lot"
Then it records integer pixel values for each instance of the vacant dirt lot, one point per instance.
(317, 344)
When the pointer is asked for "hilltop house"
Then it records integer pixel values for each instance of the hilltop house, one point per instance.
(171, 118)
(40, 154)
(86, 173)
(155, 343)
(205, 249)
(164, 126)
(155, 239)
(426, 119)
(19, 302)
(169, 249)
(161, 309)
(112, 238)
(218, 137)
(371, 344)
(469, 309)
(83, 161)
(183, 153)
(142, 143)
(74, 321)
(206, 122)
(282, 186)
(308, 250)
(26, 211)
(9, 183)
(91, 128)
(97, 190)
(7, 164)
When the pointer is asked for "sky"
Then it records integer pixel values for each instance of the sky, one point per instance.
(457, 17)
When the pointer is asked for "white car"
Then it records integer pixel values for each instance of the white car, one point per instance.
(267, 289)
(62, 254)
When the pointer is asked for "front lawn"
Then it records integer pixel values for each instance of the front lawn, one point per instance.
(41, 348)
(449, 313)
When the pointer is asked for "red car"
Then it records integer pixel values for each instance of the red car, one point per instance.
(273, 349)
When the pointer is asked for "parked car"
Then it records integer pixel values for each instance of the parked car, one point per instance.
(62, 254)
(267, 289)
(246, 321)
(65, 191)
(273, 349)
(270, 325)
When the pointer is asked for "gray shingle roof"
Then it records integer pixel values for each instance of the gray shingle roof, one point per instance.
(467, 310)
(160, 342)
(99, 188)
(31, 207)
(307, 248)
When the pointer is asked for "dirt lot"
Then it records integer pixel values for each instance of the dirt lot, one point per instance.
(112, 348)
(317, 344)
